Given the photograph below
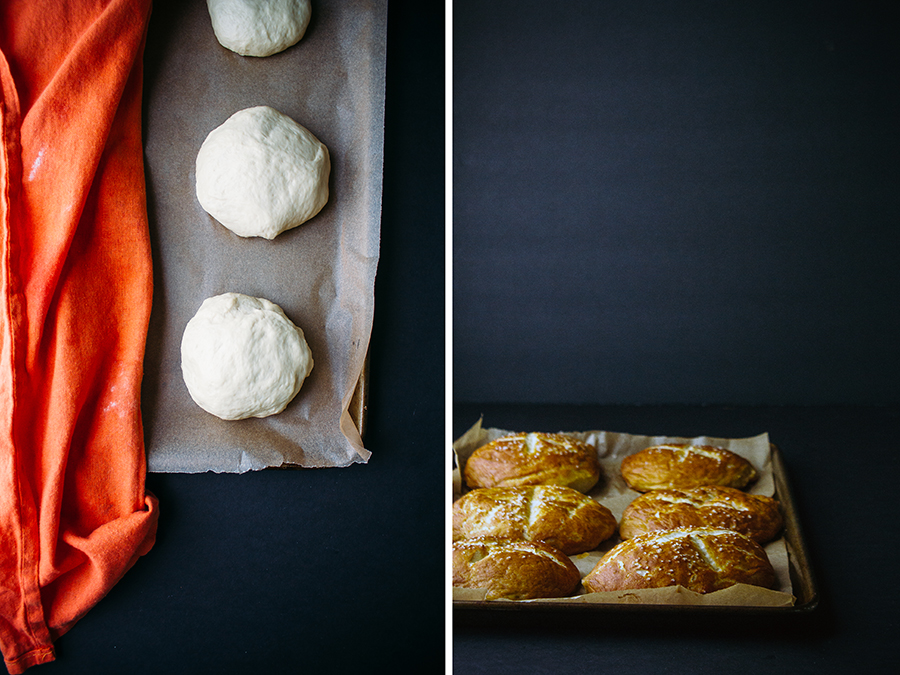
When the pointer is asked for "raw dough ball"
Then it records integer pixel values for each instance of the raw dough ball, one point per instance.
(242, 357)
(259, 27)
(260, 173)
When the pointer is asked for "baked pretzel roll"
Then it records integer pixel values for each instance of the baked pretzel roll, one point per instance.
(682, 466)
(515, 570)
(701, 559)
(756, 516)
(558, 516)
(534, 459)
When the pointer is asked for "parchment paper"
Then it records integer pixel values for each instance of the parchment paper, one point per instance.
(321, 273)
(612, 492)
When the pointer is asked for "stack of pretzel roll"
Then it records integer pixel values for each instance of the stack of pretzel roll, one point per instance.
(692, 526)
(527, 516)
(526, 513)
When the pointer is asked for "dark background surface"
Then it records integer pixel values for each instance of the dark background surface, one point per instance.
(338, 586)
(680, 218)
(676, 202)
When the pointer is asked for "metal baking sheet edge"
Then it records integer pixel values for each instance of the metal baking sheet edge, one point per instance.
(358, 408)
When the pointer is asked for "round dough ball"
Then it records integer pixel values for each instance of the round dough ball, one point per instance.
(260, 173)
(242, 357)
(259, 27)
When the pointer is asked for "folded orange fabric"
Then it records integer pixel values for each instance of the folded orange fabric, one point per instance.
(75, 296)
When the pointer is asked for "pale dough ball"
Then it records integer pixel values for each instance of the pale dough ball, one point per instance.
(242, 357)
(259, 27)
(260, 173)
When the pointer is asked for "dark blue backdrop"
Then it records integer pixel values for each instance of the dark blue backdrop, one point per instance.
(676, 202)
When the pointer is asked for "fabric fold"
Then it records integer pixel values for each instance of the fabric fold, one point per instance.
(76, 290)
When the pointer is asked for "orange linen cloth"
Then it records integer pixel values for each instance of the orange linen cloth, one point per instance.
(75, 295)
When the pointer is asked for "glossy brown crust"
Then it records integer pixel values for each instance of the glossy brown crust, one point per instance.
(534, 459)
(756, 516)
(559, 516)
(682, 466)
(514, 570)
(699, 559)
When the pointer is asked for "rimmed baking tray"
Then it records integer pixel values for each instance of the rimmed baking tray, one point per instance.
(803, 581)
(321, 273)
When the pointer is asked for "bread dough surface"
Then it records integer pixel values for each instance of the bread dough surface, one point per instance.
(259, 27)
(260, 173)
(242, 357)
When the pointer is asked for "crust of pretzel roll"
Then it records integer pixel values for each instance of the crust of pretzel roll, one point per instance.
(682, 465)
(559, 516)
(534, 458)
(513, 570)
(756, 516)
(699, 559)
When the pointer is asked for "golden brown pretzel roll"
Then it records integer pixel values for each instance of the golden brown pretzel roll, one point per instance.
(515, 570)
(755, 516)
(534, 459)
(701, 559)
(559, 516)
(682, 466)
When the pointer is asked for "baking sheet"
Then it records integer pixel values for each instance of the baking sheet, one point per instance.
(795, 588)
(321, 273)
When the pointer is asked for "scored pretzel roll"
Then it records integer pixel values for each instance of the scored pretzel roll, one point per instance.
(514, 570)
(534, 459)
(756, 516)
(683, 465)
(559, 516)
(701, 559)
